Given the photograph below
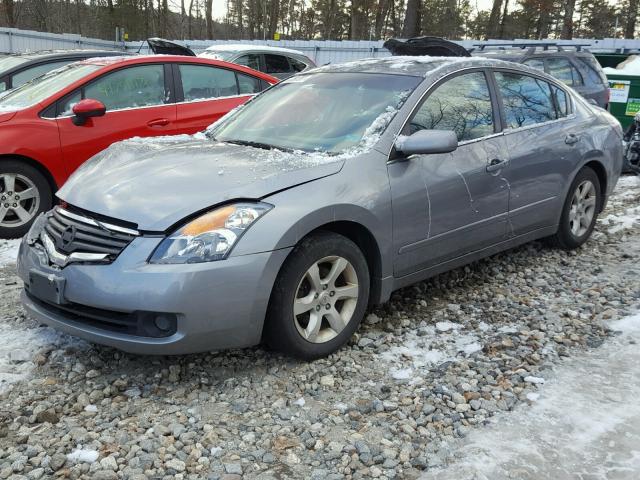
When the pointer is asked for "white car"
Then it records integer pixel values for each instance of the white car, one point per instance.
(276, 61)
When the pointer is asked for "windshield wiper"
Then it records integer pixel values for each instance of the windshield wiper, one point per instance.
(264, 146)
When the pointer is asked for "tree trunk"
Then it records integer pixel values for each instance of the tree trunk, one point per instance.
(274, 16)
(9, 9)
(494, 20)
(632, 16)
(208, 7)
(411, 26)
(239, 8)
(567, 22)
(503, 22)
(381, 13)
(190, 21)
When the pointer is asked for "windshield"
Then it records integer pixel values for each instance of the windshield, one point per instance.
(326, 112)
(43, 87)
(11, 61)
(218, 54)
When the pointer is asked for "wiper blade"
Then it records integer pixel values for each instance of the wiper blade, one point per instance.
(264, 146)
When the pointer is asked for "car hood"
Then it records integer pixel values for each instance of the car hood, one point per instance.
(156, 183)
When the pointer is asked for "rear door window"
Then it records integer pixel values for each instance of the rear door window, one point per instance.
(276, 64)
(201, 82)
(526, 100)
(462, 104)
(563, 70)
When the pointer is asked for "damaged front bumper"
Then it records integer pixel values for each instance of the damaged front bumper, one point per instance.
(146, 308)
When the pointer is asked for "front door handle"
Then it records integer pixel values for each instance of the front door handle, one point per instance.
(496, 164)
(571, 139)
(158, 122)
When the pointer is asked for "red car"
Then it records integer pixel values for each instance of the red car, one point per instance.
(51, 125)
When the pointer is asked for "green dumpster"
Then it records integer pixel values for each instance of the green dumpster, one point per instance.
(624, 102)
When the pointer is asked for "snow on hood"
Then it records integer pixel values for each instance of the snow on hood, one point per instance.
(157, 182)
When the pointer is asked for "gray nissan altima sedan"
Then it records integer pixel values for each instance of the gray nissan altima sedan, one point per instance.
(287, 218)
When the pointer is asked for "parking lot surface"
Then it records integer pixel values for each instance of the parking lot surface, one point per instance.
(453, 378)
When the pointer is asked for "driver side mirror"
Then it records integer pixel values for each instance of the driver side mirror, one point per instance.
(87, 108)
(425, 142)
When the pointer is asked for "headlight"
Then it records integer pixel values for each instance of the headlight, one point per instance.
(211, 236)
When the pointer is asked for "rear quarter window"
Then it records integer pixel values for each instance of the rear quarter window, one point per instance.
(592, 70)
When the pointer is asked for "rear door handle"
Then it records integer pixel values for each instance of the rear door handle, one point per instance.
(158, 122)
(571, 139)
(496, 164)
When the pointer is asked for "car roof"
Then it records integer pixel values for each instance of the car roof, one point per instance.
(53, 54)
(138, 59)
(416, 66)
(243, 47)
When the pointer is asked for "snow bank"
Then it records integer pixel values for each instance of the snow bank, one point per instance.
(631, 66)
(583, 422)
(8, 252)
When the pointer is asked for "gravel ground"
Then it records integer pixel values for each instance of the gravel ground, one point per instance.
(436, 366)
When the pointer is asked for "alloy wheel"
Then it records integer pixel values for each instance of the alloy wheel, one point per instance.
(325, 299)
(19, 200)
(583, 208)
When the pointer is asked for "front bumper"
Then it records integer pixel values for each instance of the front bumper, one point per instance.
(217, 305)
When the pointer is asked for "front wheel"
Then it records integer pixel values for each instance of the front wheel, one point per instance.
(580, 211)
(24, 194)
(319, 297)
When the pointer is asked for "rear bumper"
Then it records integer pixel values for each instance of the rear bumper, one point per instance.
(217, 305)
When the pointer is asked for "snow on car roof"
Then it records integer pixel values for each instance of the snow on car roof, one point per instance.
(118, 58)
(408, 65)
(243, 47)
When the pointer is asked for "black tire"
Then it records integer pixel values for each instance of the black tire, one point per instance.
(564, 237)
(10, 224)
(281, 326)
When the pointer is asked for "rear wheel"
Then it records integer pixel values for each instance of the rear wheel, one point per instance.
(24, 193)
(580, 211)
(319, 297)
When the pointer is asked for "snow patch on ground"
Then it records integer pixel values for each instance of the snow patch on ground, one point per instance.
(583, 423)
(18, 347)
(8, 251)
(81, 455)
(622, 221)
(430, 348)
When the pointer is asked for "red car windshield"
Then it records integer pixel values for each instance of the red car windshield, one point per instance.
(43, 87)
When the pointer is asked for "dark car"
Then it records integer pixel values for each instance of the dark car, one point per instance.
(574, 66)
(18, 69)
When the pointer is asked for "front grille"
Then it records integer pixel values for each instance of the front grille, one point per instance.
(76, 233)
(139, 323)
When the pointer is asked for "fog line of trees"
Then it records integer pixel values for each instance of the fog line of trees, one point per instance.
(326, 19)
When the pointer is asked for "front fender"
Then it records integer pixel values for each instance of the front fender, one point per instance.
(353, 195)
